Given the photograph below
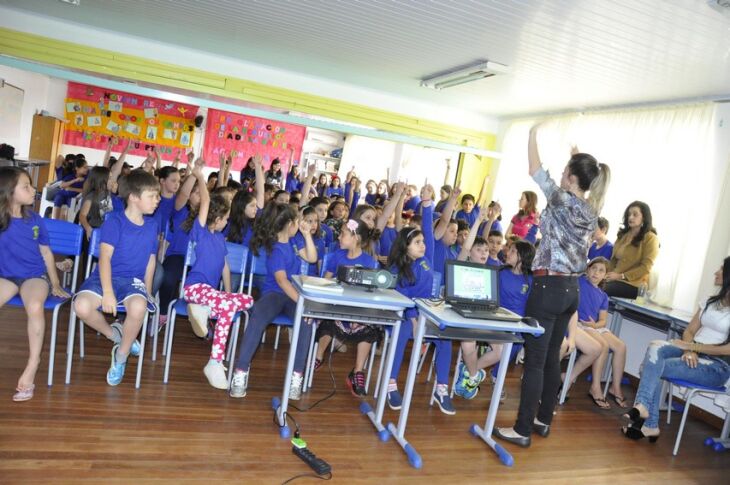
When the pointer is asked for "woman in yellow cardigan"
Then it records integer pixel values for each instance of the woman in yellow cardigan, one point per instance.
(634, 252)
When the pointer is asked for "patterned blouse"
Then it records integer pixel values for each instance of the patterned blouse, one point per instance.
(567, 225)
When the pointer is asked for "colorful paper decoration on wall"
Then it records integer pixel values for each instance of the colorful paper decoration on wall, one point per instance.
(94, 114)
(245, 136)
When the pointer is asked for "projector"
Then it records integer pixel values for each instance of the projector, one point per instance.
(370, 278)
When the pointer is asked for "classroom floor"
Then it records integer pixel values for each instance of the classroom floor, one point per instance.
(188, 432)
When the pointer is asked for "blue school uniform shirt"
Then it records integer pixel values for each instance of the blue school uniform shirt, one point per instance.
(514, 290)
(335, 191)
(75, 185)
(339, 258)
(422, 284)
(329, 235)
(210, 256)
(592, 300)
(493, 262)
(370, 199)
(472, 216)
(292, 184)
(164, 211)
(299, 244)
(21, 252)
(531, 236)
(412, 204)
(132, 244)
(606, 251)
(117, 204)
(281, 258)
(178, 237)
(386, 240)
(441, 254)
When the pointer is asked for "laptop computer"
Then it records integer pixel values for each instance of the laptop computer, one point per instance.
(472, 289)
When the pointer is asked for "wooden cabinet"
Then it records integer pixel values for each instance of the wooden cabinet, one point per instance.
(45, 144)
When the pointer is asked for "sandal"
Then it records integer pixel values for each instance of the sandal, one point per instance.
(620, 400)
(24, 394)
(600, 402)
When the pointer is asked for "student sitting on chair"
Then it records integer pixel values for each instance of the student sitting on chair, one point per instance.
(201, 293)
(592, 314)
(701, 356)
(354, 237)
(30, 271)
(127, 257)
(272, 233)
(71, 186)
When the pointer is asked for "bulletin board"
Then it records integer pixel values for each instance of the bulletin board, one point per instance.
(245, 136)
(93, 114)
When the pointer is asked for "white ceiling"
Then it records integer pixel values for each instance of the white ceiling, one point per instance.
(562, 54)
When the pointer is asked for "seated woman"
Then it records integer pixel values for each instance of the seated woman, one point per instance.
(592, 314)
(702, 356)
(634, 252)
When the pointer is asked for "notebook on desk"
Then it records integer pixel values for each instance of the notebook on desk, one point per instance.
(322, 284)
(472, 290)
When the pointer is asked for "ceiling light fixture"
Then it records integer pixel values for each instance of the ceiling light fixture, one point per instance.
(74, 3)
(462, 75)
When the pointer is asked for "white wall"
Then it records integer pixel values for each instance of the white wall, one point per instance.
(40, 93)
(39, 25)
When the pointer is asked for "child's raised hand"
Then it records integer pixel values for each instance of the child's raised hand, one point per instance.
(191, 156)
(304, 227)
(198, 167)
(109, 303)
(455, 193)
(258, 161)
(574, 150)
(311, 169)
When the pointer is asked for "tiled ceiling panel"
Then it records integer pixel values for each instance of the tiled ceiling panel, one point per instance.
(562, 54)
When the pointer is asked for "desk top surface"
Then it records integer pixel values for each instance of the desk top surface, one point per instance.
(355, 296)
(444, 316)
(654, 310)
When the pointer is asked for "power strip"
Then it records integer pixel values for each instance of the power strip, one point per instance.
(319, 466)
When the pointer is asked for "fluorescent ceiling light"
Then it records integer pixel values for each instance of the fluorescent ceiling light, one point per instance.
(481, 70)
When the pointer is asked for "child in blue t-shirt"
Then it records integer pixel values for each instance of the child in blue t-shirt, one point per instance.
(410, 259)
(494, 243)
(127, 256)
(515, 281)
(445, 234)
(601, 245)
(335, 188)
(311, 268)
(27, 267)
(273, 233)
(201, 293)
(71, 186)
(591, 332)
(354, 237)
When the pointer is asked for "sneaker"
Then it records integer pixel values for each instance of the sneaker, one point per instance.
(462, 378)
(395, 400)
(216, 374)
(136, 348)
(441, 396)
(356, 383)
(198, 316)
(295, 390)
(239, 384)
(115, 374)
(317, 364)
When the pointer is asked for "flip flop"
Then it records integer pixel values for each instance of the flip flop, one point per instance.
(24, 394)
(620, 400)
(600, 402)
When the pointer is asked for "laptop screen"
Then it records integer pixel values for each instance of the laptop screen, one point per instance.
(471, 283)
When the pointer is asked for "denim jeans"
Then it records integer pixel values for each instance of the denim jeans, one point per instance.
(264, 311)
(663, 360)
(552, 301)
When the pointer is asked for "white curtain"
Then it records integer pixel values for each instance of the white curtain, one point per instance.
(661, 156)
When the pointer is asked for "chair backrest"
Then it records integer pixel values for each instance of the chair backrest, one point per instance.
(237, 257)
(67, 240)
(258, 268)
(94, 243)
(436, 287)
(325, 261)
(189, 262)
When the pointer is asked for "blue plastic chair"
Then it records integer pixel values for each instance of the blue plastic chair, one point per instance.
(236, 258)
(258, 269)
(692, 389)
(66, 239)
(93, 255)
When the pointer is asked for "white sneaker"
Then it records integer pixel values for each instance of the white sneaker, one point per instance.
(198, 316)
(520, 356)
(295, 391)
(216, 374)
(239, 384)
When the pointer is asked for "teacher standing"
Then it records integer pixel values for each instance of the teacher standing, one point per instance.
(567, 226)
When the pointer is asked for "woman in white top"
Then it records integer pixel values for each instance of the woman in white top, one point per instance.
(702, 356)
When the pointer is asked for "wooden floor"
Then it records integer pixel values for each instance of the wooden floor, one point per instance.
(188, 432)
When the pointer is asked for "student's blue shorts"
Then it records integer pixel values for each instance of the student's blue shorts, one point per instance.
(123, 287)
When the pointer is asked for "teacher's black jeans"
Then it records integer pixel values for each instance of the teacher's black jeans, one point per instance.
(552, 301)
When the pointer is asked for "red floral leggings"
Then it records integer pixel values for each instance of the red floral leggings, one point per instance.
(223, 306)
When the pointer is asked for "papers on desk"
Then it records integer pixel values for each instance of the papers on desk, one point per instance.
(322, 284)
